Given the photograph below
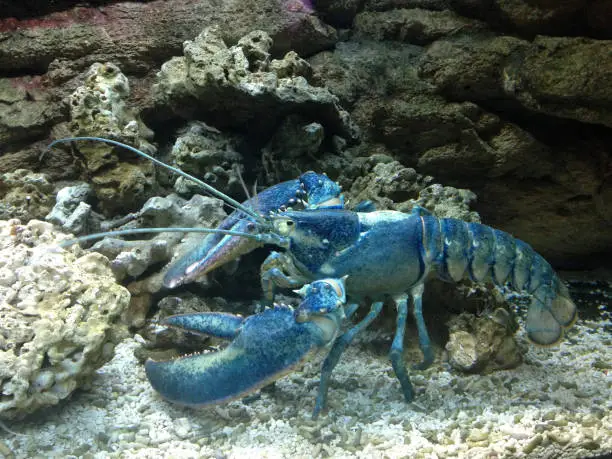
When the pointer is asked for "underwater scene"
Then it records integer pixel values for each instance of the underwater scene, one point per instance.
(305, 229)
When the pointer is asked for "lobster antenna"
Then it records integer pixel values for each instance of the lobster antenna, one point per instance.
(204, 185)
(258, 237)
(244, 187)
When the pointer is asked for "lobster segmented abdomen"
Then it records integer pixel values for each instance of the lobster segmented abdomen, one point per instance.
(456, 249)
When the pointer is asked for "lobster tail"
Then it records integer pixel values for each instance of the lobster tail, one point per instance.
(547, 319)
(458, 249)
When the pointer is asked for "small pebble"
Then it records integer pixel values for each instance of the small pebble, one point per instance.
(533, 444)
(182, 427)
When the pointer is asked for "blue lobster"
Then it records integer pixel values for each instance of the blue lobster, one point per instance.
(380, 254)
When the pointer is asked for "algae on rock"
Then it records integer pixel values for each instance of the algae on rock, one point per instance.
(98, 108)
(25, 195)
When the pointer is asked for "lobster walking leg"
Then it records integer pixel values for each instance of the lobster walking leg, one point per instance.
(336, 351)
(424, 342)
(396, 354)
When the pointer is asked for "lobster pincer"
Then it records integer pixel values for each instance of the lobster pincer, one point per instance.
(309, 191)
(264, 347)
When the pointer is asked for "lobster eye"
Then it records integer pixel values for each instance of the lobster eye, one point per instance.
(284, 227)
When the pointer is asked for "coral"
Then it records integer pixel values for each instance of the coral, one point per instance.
(25, 195)
(98, 108)
(239, 86)
(483, 344)
(58, 310)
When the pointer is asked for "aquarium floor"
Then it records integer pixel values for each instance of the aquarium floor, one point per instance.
(557, 404)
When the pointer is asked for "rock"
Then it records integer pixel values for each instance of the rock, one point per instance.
(230, 87)
(25, 195)
(416, 26)
(133, 258)
(389, 185)
(448, 202)
(72, 212)
(551, 75)
(59, 313)
(531, 17)
(210, 155)
(293, 149)
(558, 76)
(340, 13)
(98, 108)
(24, 111)
(483, 344)
(140, 35)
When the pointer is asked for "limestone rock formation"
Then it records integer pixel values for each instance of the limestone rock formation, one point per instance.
(483, 344)
(25, 195)
(59, 312)
(242, 88)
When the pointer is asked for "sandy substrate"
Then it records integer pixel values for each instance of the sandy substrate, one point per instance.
(557, 404)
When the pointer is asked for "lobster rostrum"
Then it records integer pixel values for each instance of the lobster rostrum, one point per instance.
(380, 254)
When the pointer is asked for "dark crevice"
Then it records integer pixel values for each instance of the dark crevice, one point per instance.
(21, 72)
(548, 129)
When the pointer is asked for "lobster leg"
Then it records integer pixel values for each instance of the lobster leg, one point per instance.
(396, 354)
(277, 270)
(424, 342)
(336, 351)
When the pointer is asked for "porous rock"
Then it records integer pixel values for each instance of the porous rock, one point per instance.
(25, 195)
(59, 310)
(483, 343)
(210, 155)
(390, 185)
(98, 108)
(71, 211)
(236, 86)
(293, 149)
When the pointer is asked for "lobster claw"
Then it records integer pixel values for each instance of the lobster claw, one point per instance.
(264, 347)
(310, 189)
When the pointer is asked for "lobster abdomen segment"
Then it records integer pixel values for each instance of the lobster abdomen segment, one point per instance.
(456, 249)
